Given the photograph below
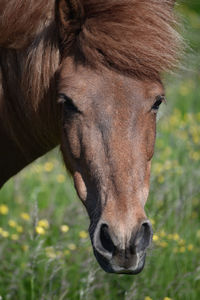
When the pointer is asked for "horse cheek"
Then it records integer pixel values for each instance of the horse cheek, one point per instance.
(80, 187)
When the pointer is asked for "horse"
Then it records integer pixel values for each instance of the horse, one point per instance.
(87, 75)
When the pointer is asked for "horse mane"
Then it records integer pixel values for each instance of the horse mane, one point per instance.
(28, 41)
(22, 20)
(136, 37)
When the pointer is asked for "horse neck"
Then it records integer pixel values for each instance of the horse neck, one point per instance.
(27, 130)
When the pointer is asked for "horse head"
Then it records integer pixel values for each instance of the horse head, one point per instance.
(110, 91)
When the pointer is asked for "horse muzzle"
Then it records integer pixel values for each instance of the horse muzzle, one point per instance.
(115, 256)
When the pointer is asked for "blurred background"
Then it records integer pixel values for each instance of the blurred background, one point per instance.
(45, 252)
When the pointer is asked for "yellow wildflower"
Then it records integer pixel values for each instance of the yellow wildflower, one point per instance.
(64, 228)
(3, 209)
(182, 249)
(25, 248)
(12, 223)
(66, 252)
(50, 252)
(61, 178)
(25, 216)
(163, 244)
(48, 167)
(72, 246)
(155, 238)
(176, 237)
(51, 255)
(83, 234)
(162, 233)
(194, 155)
(5, 234)
(190, 247)
(181, 242)
(14, 237)
(43, 223)
(19, 229)
(167, 298)
(49, 249)
(148, 298)
(40, 230)
(196, 139)
(161, 179)
(170, 236)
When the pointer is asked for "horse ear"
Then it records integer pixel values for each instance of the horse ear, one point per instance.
(69, 15)
(69, 10)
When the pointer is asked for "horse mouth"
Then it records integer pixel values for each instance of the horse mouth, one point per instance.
(109, 267)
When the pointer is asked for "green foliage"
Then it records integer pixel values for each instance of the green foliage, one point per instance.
(190, 12)
(192, 5)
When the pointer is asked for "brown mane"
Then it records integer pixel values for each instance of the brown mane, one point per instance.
(137, 37)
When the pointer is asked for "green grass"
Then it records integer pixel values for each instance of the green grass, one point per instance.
(61, 265)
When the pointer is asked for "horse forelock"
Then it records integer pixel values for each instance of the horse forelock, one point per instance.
(138, 37)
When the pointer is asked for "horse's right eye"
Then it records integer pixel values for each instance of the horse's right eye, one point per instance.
(159, 100)
(68, 104)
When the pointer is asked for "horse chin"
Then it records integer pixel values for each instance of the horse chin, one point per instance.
(108, 267)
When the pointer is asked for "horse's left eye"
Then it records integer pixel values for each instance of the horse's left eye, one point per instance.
(69, 106)
(159, 100)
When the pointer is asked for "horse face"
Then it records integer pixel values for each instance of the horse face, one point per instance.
(108, 136)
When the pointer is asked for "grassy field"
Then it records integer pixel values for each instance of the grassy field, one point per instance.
(45, 252)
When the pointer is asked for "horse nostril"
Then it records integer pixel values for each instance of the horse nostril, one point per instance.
(105, 239)
(144, 236)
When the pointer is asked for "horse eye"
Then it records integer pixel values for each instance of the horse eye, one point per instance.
(69, 106)
(159, 100)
